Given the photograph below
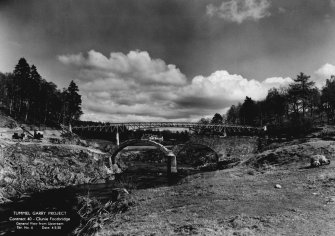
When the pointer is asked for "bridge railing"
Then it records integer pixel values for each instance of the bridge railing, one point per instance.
(164, 124)
(111, 127)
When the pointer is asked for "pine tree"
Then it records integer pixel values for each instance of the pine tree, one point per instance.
(34, 91)
(73, 100)
(233, 114)
(328, 98)
(299, 93)
(22, 84)
(248, 112)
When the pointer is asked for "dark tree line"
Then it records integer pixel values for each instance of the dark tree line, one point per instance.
(296, 109)
(26, 96)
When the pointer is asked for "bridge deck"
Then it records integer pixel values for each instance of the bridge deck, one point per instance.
(110, 127)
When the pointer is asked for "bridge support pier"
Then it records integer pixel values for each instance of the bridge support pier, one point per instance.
(171, 164)
(110, 162)
(117, 137)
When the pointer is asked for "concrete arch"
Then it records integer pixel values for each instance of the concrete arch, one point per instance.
(180, 147)
(136, 141)
(171, 158)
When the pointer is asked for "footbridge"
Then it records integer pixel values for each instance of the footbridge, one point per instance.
(229, 139)
(196, 127)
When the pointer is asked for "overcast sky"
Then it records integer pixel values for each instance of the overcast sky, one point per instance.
(157, 60)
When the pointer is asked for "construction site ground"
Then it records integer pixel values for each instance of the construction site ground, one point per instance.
(243, 200)
(270, 193)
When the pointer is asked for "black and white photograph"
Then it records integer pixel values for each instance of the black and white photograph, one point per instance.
(167, 117)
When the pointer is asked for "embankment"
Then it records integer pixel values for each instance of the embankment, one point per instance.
(29, 167)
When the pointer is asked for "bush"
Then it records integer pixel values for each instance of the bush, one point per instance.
(94, 214)
(292, 128)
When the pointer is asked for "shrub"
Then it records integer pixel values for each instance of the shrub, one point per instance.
(292, 128)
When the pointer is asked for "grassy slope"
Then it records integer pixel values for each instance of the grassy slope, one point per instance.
(239, 201)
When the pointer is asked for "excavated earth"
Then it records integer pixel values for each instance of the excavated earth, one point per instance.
(58, 160)
(28, 168)
(274, 192)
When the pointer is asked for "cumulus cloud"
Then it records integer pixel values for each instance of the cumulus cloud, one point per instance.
(326, 71)
(277, 82)
(221, 87)
(136, 65)
(323, 73)
(240, 10)
(136, 87)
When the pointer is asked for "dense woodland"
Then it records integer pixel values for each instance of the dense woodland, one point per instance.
(296, 109)
(27, 97)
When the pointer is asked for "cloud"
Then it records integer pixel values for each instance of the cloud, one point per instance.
(282, 10)
(221, 87)
(326, 71)
(277, 82)
(124, 84)
(240, 10)
(136, 65)
(332, 3)
(136, 87)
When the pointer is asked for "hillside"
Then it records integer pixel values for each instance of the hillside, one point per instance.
(57, 160)
(242, 200)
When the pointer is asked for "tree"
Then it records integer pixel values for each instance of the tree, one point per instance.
(9, 91)
(21, 83)
(328, 98)
(275, 105)
(204, 121)
(299, 93)
(30, 98)
(233, 114)
(3, 89)
(217, 119)
(73, 102)
(314, 102)
(248, 112)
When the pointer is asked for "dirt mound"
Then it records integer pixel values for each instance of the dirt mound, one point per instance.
(296, 153)
(32, 167)
(326, 132)
(7, 121)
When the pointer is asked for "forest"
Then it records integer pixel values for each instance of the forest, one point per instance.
(29, 98)
(296, 109)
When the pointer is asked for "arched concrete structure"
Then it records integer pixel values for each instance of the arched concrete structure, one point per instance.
(223, 146)
(170, 157)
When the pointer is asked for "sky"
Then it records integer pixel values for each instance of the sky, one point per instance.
(169, 60)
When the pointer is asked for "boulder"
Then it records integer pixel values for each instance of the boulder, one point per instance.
(278, 186)
(118, 193)
(116, 169)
